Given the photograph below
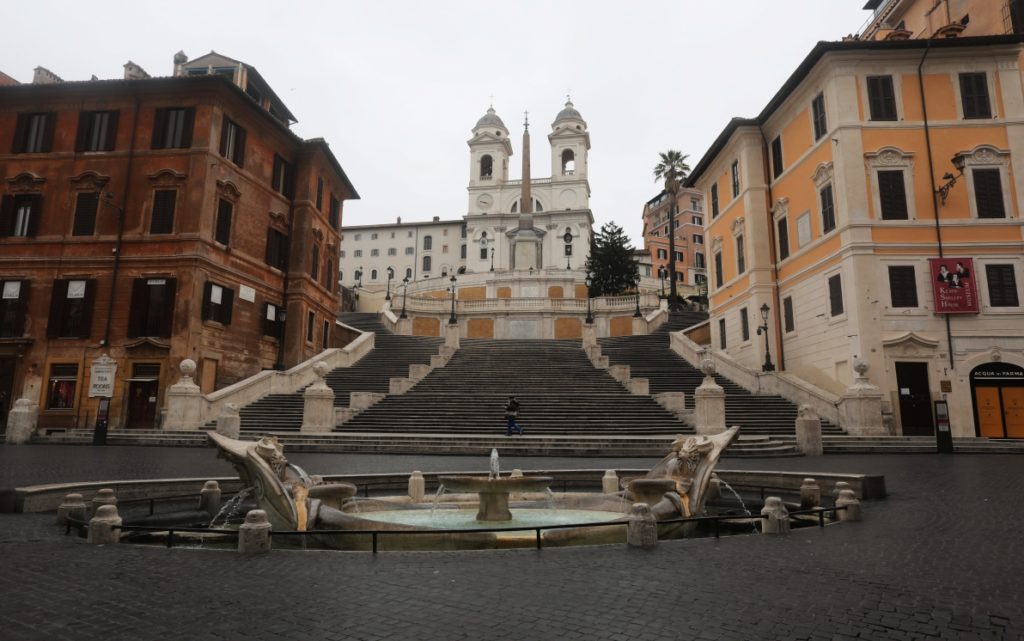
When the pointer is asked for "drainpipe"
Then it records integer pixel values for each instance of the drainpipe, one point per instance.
(279, 365)
(120, 227)
(780, 351)
(931, 180)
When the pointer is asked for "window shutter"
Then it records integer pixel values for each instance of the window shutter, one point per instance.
(111, 142)
(783, 226)
(240, 148)
(85, 213)
(58, 294)
(828, 210)
(167, 314)
(20, 131)
(162, 219)
(48, 126)
(289, 181)
(137, 312)
(159, 127)
(892, 195)
(226, 303)
(84, 126)
(224, 123)
(6, 215)
(186, 133)
(1002, 286)
(835, 295)
(37, 213)
(87, 307)
(207, 305)
(275, 179)
(787, 313)
(264, 321)
(223, 231)
(974, 95)
(902, 286)
(988, 193)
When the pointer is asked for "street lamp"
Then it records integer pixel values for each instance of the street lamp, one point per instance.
(405, 293)
(567, 238)
(359, 277)
(492, 259)
(943, 190)
(661, 274)
(589, 281)
(636, 284)
(391, 274)
(452, 320)
(768, 366)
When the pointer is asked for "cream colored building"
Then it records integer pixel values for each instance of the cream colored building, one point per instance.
(416, 251)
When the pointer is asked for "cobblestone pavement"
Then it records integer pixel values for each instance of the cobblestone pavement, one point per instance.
(939, 559)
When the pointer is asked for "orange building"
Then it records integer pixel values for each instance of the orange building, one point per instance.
(874, 208)
(901, 19)
(153, 220)
(688, 226)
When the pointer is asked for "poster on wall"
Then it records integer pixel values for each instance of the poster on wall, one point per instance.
(953, 286)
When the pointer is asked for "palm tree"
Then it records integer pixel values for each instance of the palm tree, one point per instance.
(672, 168)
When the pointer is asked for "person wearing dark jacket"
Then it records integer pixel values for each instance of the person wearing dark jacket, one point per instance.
(511, 414)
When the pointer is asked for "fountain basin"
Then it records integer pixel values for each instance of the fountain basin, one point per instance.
(650, 491)
(456, 519)
(493, 492)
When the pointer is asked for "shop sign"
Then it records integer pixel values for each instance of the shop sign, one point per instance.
(101, 377)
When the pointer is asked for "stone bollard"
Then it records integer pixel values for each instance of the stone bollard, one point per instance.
(21, 422)
(853, 512)
(714, 488)
(709, 402)
(775, 516)
(209, 498)
(73, 507)
(610, 482)
(838, 488)
(451, 336)
(417, 487)
(104, 528)
(254, 534)
(101, 498)
(229, 423)
(184, 400)
(810, 494)
(642, 530)
(318, 403)
(808, 432)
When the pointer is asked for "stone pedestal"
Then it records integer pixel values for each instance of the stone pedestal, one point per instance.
(104, 527)
(810, 494)
(860, 411)
(709, 407)
(838, 488)
(589, 336)
(318, 403)
(451, 336)
(254, 534)
(229, 423)
(639, 326)
(21, 421)
(102, 497)
(619, 373)
(417, 371)
(73, 507)
(209, 498)
(639, 386)
(775, 516)
(610, 482)
(642, 530)
(808, 432)
(417, 487)
(184, 401)
(848, 499)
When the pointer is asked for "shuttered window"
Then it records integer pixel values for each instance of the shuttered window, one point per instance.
(988, 193)
(714, 200)
(152, 310)
(33, 133)
(892, 194)
(13, 305)
(828, 209)
(902, 286)
(281, 179)
(273, 320)
(172, 128)
(741, 256)
(881, 98)
(427, 264)
(164, 202)
(777, 167)
(835, 295)
(744, 324)
(328, 279)
(735, 170)
(818, 111)
(718, 270)
(314, 262)
(974, 95)
(218, 301)
(277, 249)
(1002, 286)
(310, 324)
(71, 307)
(320, 193)
(783, 235)
(85, 213)
(20, 214)
(232, 142)
(721, 333)
(222, 233)
(97, 131)
(334, 217)
(787, 314)
(326, 334)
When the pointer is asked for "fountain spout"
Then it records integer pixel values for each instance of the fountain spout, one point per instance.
(495, 469)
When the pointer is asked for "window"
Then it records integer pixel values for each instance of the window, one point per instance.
(273, 320)
(568, 162)
(787, 314)
(828, 208)
(358, 253)
(835, 295)
(394, 252)
(33, 133)
(735, 170)
(892, 194)
(695, 206)
(426, 264)
(232, 142)
(13, 305)
(428, 243)
(486, 166)
(341, 253)
(217, 303)
(374, 252)
(408, 273)
(662, 254)
(97, 131)
(777, 167)
(71, 306)
(718, 269)
(744, 324)
(988, 193)
(310, 323)
(373, 236)
(714, 200)
(328, 270)
(698, 220)
(463, 232)
(277, 249)
(19, 215)
(698, 239)
(444, 249)
(358, 237)
(281, 178)
(162, 220)
(172, 128)
(314, 262)
(721, 334)
(326, 334)
(818, 116)
(881, 98)
(462, 252)
(782, 225)
(152, 307)
(679, 256)
(222, 233)
(741, 257)
(1002, 286)
(409, 251)
(902, 286)
(60, 393)
(334, 215)
(320, 192)
(698, 260)
(974, 95)
(86, 205)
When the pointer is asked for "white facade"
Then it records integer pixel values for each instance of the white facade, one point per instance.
(417, 250)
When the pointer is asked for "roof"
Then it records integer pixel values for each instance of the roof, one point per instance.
(325, 148)
(568, 113)
(812, 59)
(253, 74)
(6, 80)
(457, 221)
(490, 119)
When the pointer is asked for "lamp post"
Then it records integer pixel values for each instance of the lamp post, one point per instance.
(943, 189)
(452, 320)
(661, 275)
(492, 259)
(405, 293)
(768, 366)
(359, 277)
(672, 187)
(636, 284)
(391, 274)
(589, 281)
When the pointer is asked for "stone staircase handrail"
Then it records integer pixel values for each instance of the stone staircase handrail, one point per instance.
(579, 305)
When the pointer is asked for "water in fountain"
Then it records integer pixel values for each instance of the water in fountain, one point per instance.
(495, 470)
(743, 505)
(551, 498)
(230, 508)
(437, 498)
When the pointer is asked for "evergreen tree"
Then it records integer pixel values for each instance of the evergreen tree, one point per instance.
(612, 264)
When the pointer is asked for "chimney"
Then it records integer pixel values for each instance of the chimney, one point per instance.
(133, 71)
(179, 63)
(399, 220)
(44, 76)
(437, 219)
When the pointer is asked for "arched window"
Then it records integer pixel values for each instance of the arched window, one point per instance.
(408, 273)
(515, 207)
(486, 166)
(428, 242)
(568, 162)
(373, 275)
(426, 263)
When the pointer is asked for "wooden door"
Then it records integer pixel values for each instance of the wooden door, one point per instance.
(915, 399)
(1013, 411)
(142, 404)
(990, 412)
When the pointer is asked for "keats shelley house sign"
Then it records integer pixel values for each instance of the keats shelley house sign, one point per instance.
(953, 287)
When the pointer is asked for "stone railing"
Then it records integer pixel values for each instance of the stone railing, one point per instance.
(488, 305)
(189, 409)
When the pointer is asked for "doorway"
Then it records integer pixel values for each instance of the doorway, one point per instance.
(6, 390)
(998, 393)
(142, 395)
(915, 399)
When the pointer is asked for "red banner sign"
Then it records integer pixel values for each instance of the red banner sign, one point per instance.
(953, 287)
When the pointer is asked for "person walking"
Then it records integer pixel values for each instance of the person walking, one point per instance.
(511, 414)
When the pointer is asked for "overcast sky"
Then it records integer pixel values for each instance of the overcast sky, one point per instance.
(396, 86)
